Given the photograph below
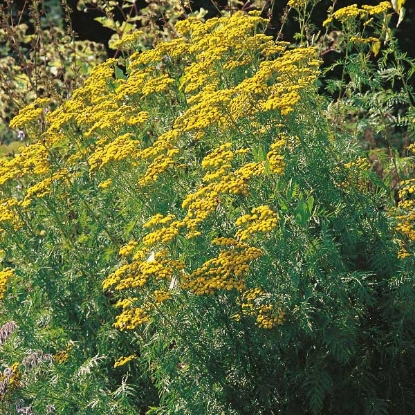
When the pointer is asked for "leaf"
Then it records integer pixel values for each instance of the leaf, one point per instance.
(318, 383)
(302, 214)
(119, 74)
(310, 204)
(259, 153)
(376, 48)
(107, 22)
(401, 16)
(397, 5)
(127, 28)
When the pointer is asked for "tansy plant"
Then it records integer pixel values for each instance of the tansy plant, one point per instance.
(194, 236)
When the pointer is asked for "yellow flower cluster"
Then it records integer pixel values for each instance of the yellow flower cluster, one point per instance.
(405, 215)
(128, 41)
(407, 188)
(100, 121)
(104, 111)
(214, 41)
(298, 4)
(9, 212)
(105, 184)
(159, 165)
(256, 303)
(218, 157)
(207, 109)
(284, 94)
(346, 13)
(44, 187)
(94, 91)
(381, 8)
(23, 168)
(270, 316)
(357, 173)
(227, 271)
(31, 160)
(31, 114)
(131, 318)
(158, 219)
(364, 40)
(126, 302)
(117, 150)
(403, 253)
(274, 157)
(218, 163)
(200, 205)
(137, 273)
(161, 295)
(127, 89)
(275, 85)
(10, 379)
(221, 180)
(176, 48)
(163, 234)
(406, 227)
(143, 82)
(159, 157)
(63, 355)
(5, 275)
(261, 219)
(107, 115)
(123, 360)
(157, 85)
(204, 201)
(128, 249)
(249, 170)
(145, 265)
(352, 12)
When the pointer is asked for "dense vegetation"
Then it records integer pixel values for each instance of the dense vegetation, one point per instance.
(215, 223)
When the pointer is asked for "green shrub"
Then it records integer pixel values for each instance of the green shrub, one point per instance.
(198, 236)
